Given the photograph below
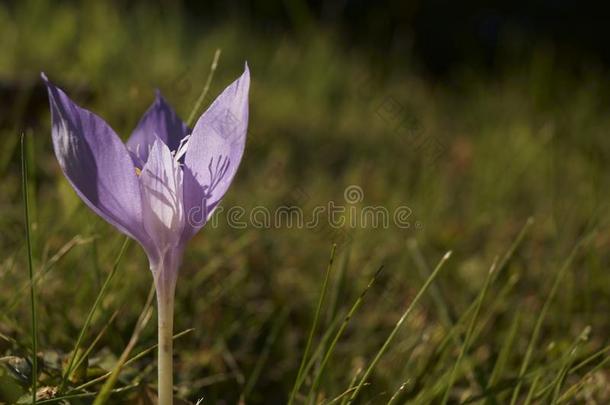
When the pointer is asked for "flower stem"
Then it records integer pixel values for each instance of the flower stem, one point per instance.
(165, 314)
(165, 272)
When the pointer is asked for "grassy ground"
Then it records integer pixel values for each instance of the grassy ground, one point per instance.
(513, 168)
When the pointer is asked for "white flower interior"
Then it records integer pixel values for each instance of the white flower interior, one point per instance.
(161, 185)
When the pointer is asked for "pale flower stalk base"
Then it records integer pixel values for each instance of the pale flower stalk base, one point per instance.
(165, 363)
(165, 285)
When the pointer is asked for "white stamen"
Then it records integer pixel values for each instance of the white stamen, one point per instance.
(182, 147)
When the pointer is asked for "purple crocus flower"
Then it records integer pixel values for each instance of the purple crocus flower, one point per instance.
(160, 187)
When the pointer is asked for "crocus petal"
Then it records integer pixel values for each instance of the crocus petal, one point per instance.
(159, 121)
(214, 151)
(161, 182)
(96, 163)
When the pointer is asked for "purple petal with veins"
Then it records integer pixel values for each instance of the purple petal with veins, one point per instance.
(159, 121)
(97, 165)
(215, 149)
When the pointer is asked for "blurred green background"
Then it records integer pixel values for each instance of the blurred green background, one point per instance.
(476, 126)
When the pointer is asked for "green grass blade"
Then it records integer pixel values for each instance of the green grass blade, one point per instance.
(211, 267)
(515, 245)
(352, 386)
(89, 349)
(84, 395)
(338, 285)
(191, 119)
(566, 364)
(541, 316)
(92, 311)
(342, 328)
(131, 360)
(318, 353)
(466, 346)
(143, 319)
(444, 345)
(445, 314)
(26, 214)
(331, 320)
(394, 398)
(423, 269)
(44, 270)
(314, 325)
(574, 388)
(505, 351)
(558, 383)
(530, 395)
(453, 334)
(590, 359)
(402, 319)
(258, 368)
